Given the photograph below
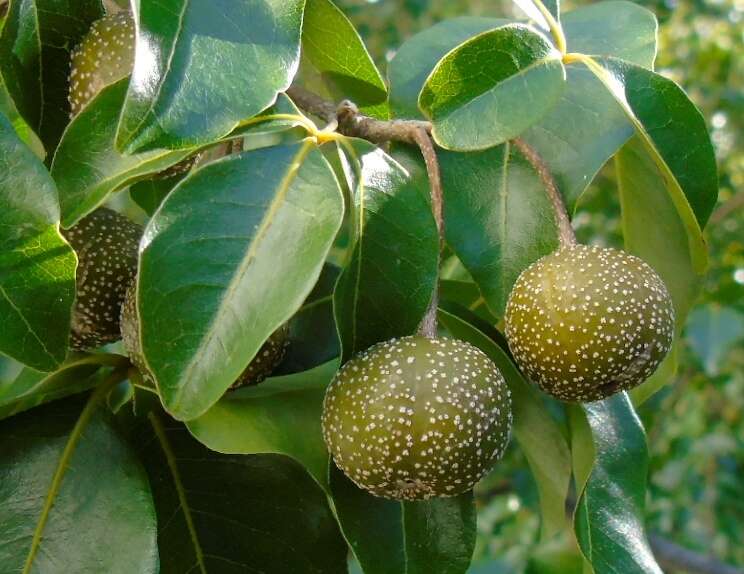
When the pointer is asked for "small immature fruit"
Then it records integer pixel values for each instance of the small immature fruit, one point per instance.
(104, 56)
(106, 245)
(587, 322)
(266, 360)
(415, 418)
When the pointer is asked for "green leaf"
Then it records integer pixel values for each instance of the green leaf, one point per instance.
(650, 218)
(37, 266)
(576, 137)
(35, 46)
(389, 537)
(237, 57)
(281, 415)
(66, 471)
(385, 288)
(537, 433)
(332, 46)
(222, 513)
(616, 28)
(313, 337)
(673, 132)
(150, 193)
(24, 131)
(609, 518)
(32, 388)
(263, 222)
(712, 332)
(416, 58)
(87, 167)
(492, 87)
(498, 219)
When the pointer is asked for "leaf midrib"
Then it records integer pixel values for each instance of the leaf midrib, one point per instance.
(59, 473)
(293, 169)
(170, 458)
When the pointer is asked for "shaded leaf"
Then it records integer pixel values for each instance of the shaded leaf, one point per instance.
(35, 45)
(538, 435)
(37, 266)
(712, 331)
(237, 57)
(650, 218)
(386, 286)
(264, 221)
(281, 415)
(63, 464)
(492, 87)
(24, 131)
(609, 515)
(222, 513)
(32, 388)
(498, 219)
(332, 46)
(86, 166)
(150, 193)
(546, 14)
(389, 537)
(313, 337)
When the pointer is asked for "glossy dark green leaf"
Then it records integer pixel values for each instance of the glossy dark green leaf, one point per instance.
(32, 388)
(332, 46)
(576, 137)
(223, 513)
(202, 67)
(263, 222)
(609, 518)
(65, 471)
(281, 415)
(616, 28)
(674, 134)
(313, 337)
(35, 46)
(386, 286)
(498, 219)
(87, 167)
(537, 433)
(417, 56)
(440, 534)
(492, 87)
(37, 266)
(388, 537)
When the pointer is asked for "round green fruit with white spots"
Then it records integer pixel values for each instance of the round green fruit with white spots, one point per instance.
(266, 360)
(106, 245)
(104, 56)
(587, 322)
(415, 418)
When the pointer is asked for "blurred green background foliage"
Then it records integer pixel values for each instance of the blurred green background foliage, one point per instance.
(696, 424)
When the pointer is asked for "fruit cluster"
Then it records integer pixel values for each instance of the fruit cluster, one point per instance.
(419, 416)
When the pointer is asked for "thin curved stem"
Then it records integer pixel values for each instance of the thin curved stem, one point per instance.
(566, 235)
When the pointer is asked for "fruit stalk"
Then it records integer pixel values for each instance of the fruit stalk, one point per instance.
(566, 235)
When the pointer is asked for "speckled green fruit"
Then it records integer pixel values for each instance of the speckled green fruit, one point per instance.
(587, 322)
(104, 56)
(266, 360)
(415, 418)
(106, 245)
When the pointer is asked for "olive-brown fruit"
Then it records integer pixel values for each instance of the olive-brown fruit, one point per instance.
(106, 246)
(266, 360)
(587, 322)
(415, 418)
(104, 56)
